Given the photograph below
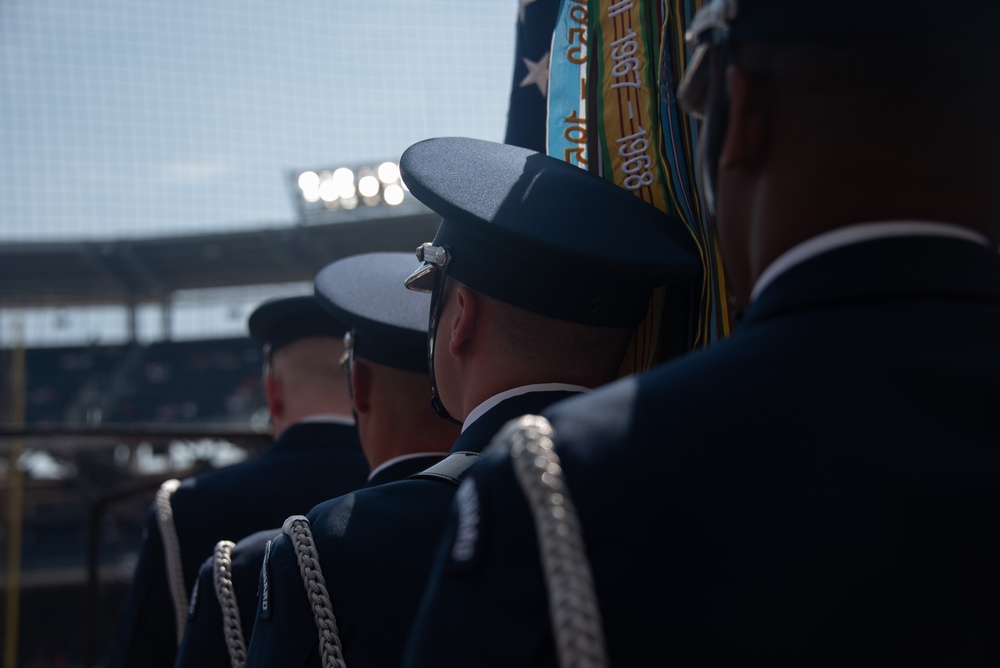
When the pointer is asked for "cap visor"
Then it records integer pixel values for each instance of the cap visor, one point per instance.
(421, 280)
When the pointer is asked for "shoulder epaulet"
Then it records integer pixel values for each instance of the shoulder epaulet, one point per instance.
(451, 469)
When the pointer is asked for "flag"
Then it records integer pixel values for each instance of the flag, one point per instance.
(640, 139)
(680, 132)
(568, 125)
(594, 84)
(526, 113)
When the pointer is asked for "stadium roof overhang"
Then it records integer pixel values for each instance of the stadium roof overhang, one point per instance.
(138, 271)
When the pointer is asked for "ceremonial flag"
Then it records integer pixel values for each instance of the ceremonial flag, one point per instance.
(529, 94)
(680, 134)
(595, 85)
(568, 95)
(639, 138)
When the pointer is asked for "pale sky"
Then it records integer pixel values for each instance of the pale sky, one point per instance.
(131, 118)
(137, 118)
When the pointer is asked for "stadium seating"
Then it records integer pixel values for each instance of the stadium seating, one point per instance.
(190, 382)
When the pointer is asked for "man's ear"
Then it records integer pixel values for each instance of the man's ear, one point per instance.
(747, 130)
(465, 319)
(274, 392)
(361, 386)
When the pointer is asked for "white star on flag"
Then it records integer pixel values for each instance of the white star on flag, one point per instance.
(538, 74)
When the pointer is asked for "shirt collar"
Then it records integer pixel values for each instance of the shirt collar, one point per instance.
(327, 418)
(852, 234)
(479, 410)
(389, 462)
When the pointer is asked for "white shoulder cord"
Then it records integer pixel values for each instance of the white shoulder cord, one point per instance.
(331, 653)
(222, 577)
(573, 608)
(172, 553)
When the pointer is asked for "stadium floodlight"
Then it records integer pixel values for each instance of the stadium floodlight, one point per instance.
(368, 186)
(327, 191)
(388, 173)
(393, 194)
(343, 182)
(309, 183)
(319, 193)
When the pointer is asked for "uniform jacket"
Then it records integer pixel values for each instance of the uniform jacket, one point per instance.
(204, 642)
(310, 462)
(819, 489)
(375, 548)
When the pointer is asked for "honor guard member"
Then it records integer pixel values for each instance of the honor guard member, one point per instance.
(539, 273)
(386, 363)
(315, 455)
(820, 488)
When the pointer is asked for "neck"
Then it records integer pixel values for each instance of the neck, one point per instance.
(803, 201)
(384, 437)
(486, 383)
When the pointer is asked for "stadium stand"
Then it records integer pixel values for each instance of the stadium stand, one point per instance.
(104, 425)
(191, 382)
(57, 377)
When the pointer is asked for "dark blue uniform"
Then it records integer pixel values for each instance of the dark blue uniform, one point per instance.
(526, 230)
(310, 462)
(731, 517)
(387, 328)
(375, 546)
(204, 642)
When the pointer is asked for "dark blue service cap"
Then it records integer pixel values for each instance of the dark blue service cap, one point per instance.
(818, 19)
(542, 234)
(278, 322)
(390, 322)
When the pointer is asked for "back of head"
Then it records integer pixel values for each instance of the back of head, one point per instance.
(880, 74)
(552, 349)
(386, 357)
(314, 382)
(859, 110)
(566, 261)
(302, 345)
(864, 79)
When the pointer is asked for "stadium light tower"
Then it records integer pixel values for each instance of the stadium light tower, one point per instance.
(320, 193)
